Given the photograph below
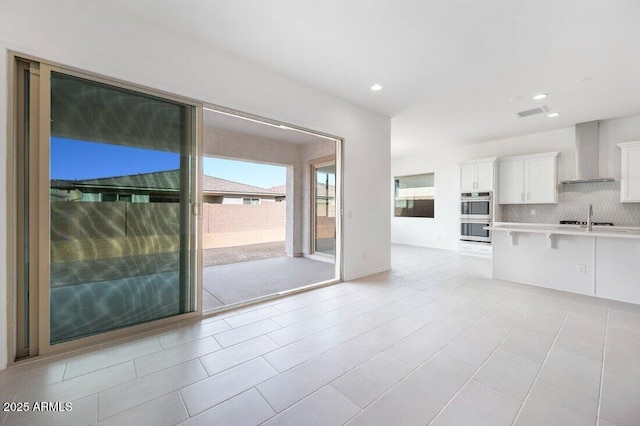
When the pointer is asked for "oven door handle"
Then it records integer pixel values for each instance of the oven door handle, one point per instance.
(475, 200)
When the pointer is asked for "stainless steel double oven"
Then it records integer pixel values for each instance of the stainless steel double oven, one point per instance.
(475, 214)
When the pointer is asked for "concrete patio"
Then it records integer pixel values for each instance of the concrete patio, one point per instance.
(237, 282)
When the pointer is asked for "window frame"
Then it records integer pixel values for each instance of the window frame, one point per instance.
(416, 197)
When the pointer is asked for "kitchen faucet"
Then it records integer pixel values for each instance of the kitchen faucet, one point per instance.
(589, 217)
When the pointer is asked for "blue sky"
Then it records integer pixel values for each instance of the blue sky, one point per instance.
(322, 178)
(262, 175)
(72, 159)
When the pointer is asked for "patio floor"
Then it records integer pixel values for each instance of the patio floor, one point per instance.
(237, 282)
(245, 253)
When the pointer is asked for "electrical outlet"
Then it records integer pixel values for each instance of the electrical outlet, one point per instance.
(581, 269)
(533, 212)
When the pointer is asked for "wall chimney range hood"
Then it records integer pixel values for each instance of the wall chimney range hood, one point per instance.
(587, 154)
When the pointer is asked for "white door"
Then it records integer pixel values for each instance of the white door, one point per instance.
(511, 182)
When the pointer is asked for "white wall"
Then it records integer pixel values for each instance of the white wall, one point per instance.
(231, 200)
(95, 37)
(442, 231)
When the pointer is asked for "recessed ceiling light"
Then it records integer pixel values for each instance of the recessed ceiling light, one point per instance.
(540, 96)
(376, 87)
(553, 114)
(583, 80)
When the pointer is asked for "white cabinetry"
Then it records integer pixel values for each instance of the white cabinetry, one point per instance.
(528, 179)
(468, 248)
(511, 182)
(630, 172)
(477, 175)
(540, 176)
(467, 177)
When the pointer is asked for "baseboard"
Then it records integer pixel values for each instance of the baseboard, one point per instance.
(320, 258)
(367, 273)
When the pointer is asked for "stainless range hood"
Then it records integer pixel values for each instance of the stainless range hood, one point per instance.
(588, 154)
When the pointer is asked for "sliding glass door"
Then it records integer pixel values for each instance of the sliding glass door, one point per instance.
(324, 241)
(114, 197)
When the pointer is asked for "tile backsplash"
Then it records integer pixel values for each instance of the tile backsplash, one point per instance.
(573, 202)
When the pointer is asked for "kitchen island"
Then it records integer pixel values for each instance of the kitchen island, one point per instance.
(604, 262)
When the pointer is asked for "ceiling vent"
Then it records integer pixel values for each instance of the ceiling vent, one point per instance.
(534, 111)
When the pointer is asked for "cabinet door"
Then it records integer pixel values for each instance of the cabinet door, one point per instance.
(484, 176)
(630, 188)
(467, 177)
(511, 182)
(540, 180)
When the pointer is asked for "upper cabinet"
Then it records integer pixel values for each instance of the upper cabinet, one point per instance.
(528, 179)
(630, 172)
(511, 181)
(477, 175)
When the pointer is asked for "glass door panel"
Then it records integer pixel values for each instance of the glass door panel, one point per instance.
(325, 209)
(120, 216)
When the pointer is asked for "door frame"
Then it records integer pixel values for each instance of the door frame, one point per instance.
(313, 166)
(338, 158)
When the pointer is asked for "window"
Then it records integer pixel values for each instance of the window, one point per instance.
(414, 195)
(252, 201)
(112, 197)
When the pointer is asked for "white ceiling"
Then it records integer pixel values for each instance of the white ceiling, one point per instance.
(250, 127)
(449, 68)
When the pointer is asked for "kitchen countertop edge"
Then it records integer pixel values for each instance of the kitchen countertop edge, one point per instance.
(542, 228)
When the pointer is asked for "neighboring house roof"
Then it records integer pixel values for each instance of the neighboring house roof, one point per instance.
(165, 181)
(156, 181)
(282, 189)
(212, 184)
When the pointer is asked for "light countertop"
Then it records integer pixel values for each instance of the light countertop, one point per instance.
(539, 228)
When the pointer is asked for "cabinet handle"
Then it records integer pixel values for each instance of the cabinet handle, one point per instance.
(522, 196)
(528, 196)
(475, 182)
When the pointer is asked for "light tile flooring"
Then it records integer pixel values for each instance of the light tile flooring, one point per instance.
(435, 341)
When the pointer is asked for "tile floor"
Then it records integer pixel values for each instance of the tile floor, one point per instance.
(435, 341)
